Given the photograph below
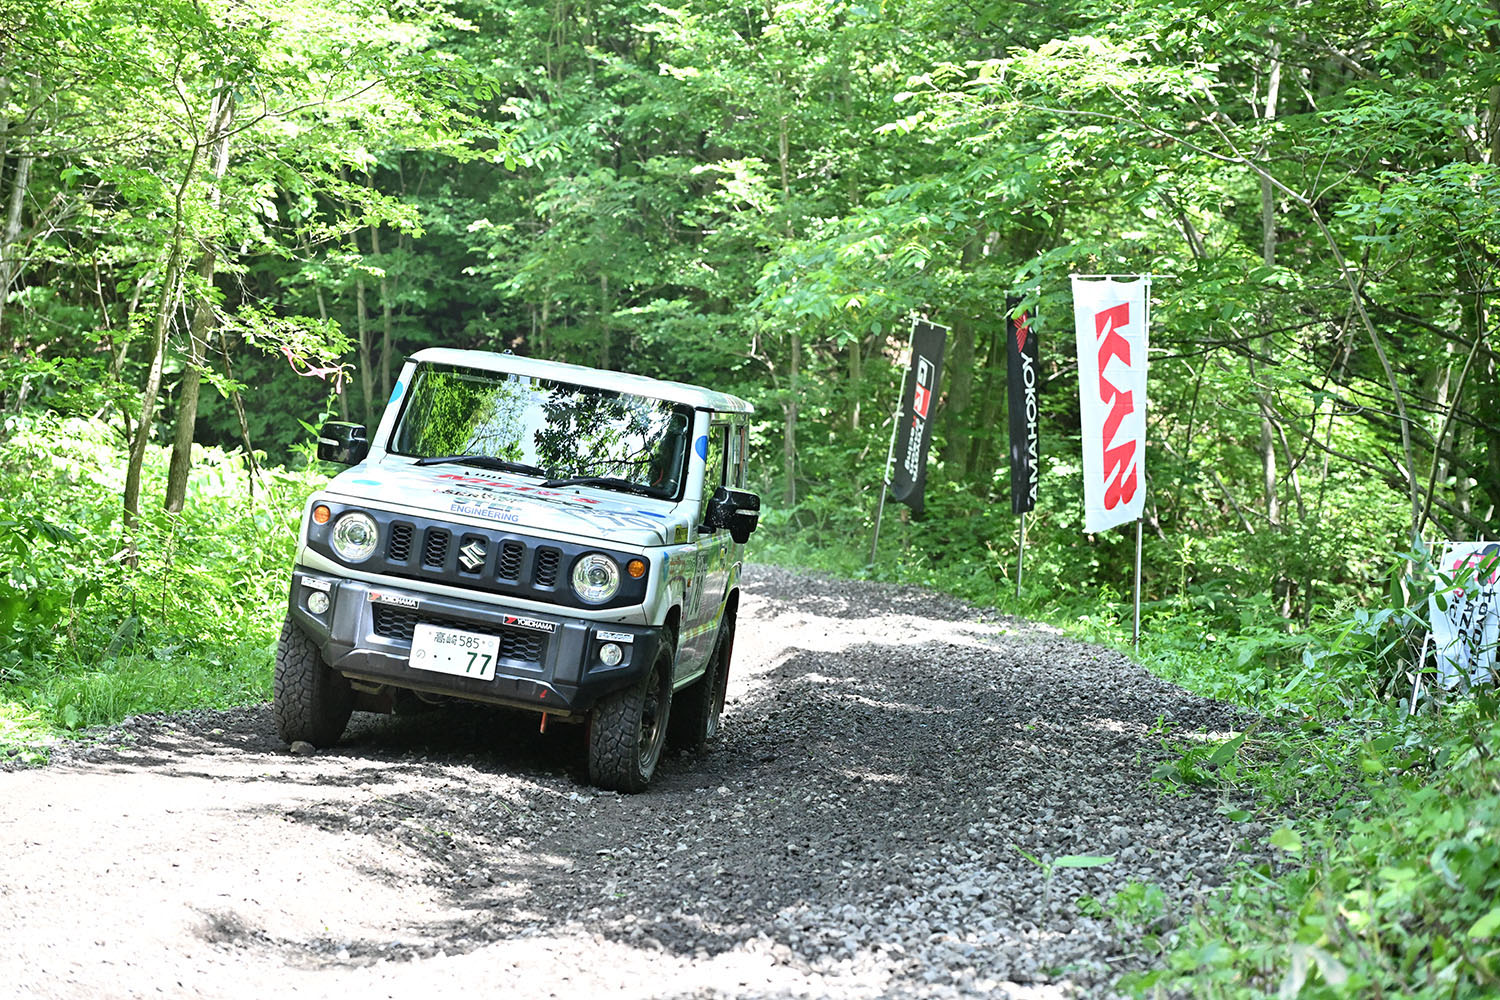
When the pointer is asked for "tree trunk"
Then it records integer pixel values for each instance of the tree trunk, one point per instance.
(221, 114)
(366, 350)
(605, 313)
(239, 411)
(957, 422)
(170, 285)
(991, 392)
(1266, 347)
(386, 315)
(794, 364)
(789, 439)
(856, 380)
(958, 425)
(340, 384)
(10, 265)
(543, 333)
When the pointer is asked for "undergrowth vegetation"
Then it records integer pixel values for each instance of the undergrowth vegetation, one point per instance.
(87, 638)
(1381, 875)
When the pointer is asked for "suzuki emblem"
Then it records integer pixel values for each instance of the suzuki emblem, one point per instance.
(472, 555)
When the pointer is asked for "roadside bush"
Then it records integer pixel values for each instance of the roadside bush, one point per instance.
(85, 637)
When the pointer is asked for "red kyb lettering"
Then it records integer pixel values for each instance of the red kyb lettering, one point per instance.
(1121, 489)
(1119, 461)
(1111, 319)
(1122, 406)
(1111, 344)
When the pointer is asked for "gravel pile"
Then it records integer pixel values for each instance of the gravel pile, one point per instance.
(896, 776)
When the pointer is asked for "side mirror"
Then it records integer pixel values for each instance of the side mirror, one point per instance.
(736, 510)
(342, 442)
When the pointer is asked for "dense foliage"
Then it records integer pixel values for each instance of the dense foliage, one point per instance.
(277, 200)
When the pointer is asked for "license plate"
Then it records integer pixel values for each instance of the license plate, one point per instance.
(449, 651)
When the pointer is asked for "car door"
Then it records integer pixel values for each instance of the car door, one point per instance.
(712, 557)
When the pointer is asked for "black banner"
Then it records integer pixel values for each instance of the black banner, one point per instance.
(914, 424)
(1021, 382)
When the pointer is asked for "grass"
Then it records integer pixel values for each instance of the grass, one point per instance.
(87, 640)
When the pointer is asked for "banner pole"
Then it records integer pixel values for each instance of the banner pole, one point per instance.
(1021, 555)
(879, 510)
(1135, 635)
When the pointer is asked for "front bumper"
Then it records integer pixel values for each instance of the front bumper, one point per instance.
(548, 662)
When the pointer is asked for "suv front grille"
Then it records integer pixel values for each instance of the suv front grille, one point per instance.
(546, 567)
(436, 547)
(398, 549)
(515, 644)
(511, 555)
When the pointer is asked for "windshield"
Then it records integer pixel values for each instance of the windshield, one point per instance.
(558, 430)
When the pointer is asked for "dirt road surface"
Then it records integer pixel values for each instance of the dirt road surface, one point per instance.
(879, 818)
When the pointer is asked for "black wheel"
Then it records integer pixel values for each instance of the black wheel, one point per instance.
(311, 701)
(628, 729)
(696, 710)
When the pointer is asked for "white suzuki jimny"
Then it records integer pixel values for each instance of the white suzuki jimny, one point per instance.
(531, 534)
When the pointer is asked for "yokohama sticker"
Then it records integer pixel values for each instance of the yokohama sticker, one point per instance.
(535, 624)
(401, 600)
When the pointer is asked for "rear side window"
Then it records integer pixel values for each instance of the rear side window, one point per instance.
(714, 464)
(737, 457)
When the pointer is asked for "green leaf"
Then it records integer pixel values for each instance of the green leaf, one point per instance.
(1227, 751)
(1486, 926)
(1287, 839)
(1083, 860)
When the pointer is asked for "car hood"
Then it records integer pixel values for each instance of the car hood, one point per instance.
(480, 497)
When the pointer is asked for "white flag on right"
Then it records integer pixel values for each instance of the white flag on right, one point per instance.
(1466, 622)
(1110, 317)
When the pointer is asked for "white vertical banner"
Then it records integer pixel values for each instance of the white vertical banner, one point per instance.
(1466, 621)
(1111, 317)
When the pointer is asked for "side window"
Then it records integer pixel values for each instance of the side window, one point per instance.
(713, 467)
(737, 456)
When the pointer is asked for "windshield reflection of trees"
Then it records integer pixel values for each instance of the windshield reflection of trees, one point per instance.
(573, 430)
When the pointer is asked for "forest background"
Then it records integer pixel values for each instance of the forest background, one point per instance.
(222, 222)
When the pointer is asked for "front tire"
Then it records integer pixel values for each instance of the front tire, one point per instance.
(628, 729)
(696, 710)
(311, 701)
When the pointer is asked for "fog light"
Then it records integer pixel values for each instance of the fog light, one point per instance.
(610, 654)
(317, 602)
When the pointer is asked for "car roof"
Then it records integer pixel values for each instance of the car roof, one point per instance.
(640, 385)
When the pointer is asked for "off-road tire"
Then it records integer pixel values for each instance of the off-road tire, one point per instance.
(628, 729)
(311, 701)
(696, 710)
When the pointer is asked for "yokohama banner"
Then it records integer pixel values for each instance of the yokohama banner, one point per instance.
(1111, 318)
(914, 423)
(1021, 382)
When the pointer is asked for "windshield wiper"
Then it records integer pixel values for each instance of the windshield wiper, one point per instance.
(484, 462)
(608, 482)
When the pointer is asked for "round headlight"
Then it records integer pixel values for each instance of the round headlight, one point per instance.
(596, 578)
(354, 536)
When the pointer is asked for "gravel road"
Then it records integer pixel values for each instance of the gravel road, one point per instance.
(861, 829)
